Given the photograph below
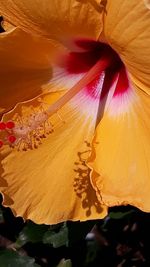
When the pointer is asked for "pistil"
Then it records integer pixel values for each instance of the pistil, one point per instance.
(28, 131)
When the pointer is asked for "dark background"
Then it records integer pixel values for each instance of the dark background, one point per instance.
(121, 239)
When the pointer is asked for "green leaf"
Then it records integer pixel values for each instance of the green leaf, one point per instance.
(57, 239)
(120, 215)
(92, 249)
(65, 263)
(31, 233)
(10, 258)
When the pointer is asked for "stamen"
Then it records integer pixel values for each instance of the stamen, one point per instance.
(59, 116)
(31, 130)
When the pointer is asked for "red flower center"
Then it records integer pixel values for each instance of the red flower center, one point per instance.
(90, 52)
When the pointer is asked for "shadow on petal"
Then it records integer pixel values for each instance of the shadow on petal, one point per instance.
(82, 185)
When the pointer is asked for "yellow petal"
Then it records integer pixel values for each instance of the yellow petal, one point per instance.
(55, 19)
(24, 67)
(127, 29)
(51, 184)
(121, 161)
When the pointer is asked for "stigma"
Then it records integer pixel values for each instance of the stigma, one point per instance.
(6, 133)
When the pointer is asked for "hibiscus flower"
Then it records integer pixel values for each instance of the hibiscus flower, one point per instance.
(75, 130)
